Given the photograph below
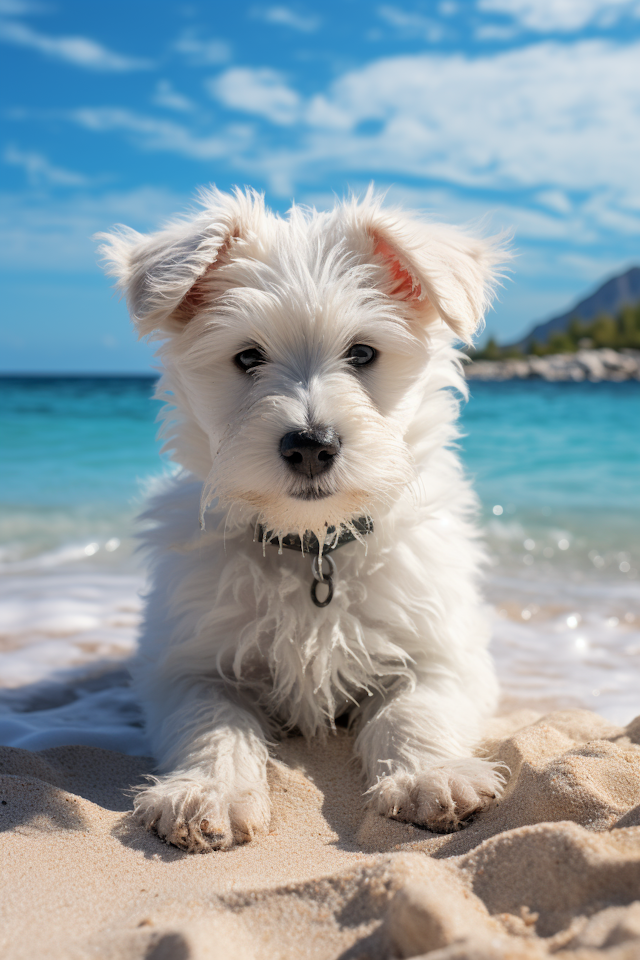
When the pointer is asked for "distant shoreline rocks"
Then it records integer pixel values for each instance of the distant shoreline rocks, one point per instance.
(592, 365)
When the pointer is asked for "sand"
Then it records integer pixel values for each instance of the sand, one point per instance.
(554, 869)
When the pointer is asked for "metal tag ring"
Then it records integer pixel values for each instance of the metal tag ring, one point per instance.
(329, 597)
(316, 569)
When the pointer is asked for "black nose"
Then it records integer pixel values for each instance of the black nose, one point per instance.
(310, 452)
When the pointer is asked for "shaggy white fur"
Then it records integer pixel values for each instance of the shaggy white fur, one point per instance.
(233, 650)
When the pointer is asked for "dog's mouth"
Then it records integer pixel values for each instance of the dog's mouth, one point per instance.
(310, 493)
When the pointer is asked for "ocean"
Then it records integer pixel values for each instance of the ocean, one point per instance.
(556, 466)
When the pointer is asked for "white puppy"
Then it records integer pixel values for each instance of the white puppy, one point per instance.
(308, 367)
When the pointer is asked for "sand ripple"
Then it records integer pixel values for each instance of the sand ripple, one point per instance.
(554, 869)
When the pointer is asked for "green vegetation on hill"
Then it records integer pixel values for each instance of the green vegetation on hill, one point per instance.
(618, 332)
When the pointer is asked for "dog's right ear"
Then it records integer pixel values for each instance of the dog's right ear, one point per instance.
(438, 272)
(161, 273)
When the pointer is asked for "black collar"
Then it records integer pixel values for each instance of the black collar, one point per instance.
(309, 542)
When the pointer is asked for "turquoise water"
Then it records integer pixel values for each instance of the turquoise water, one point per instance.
(556, 448)
(76, 451)
(556, 466)
(566, 446)
(75, 454)
(72, 440)
(563, 462)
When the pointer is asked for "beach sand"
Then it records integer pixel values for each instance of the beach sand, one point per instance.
(554, 868)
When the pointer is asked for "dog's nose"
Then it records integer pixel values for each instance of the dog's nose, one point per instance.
(310, 452)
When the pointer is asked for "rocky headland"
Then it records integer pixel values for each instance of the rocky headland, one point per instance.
(593, 365)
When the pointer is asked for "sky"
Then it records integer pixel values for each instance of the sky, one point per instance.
(517, 115)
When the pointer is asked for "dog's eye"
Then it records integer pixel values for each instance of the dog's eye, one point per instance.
(248, 359)
(360, 353)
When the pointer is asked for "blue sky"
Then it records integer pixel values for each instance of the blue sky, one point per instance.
(523, 114)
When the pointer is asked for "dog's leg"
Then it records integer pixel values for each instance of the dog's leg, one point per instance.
(215, 791)
(416, 751)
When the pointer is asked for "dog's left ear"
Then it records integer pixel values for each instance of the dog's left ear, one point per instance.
(437, 270)
(164, 274)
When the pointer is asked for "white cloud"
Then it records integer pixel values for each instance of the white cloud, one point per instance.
(555, 200)
(606, 208)
(579, 227)
(496, 31)
(167, 96)
(554, 125)
(55, 234)
(20, 8)
(545, 116)
(199, 52)
(286, 17)
(548, 16)
(591, 270)
(261, 91)
(411, 24)
(80, 51)
(163, 135)
(40, 171)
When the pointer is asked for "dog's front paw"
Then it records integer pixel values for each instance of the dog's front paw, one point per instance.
(442, 797)
(198, 816)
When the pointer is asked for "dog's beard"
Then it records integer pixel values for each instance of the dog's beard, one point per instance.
(282, 514)
(299, 505)
(285, 515)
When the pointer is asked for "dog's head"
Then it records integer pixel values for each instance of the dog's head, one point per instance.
(297, 350)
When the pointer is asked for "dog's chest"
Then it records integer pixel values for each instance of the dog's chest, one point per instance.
(311, 663)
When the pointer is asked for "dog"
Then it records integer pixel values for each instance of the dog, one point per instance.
(315, 557)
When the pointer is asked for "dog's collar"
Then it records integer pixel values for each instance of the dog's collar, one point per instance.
(309, 544)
